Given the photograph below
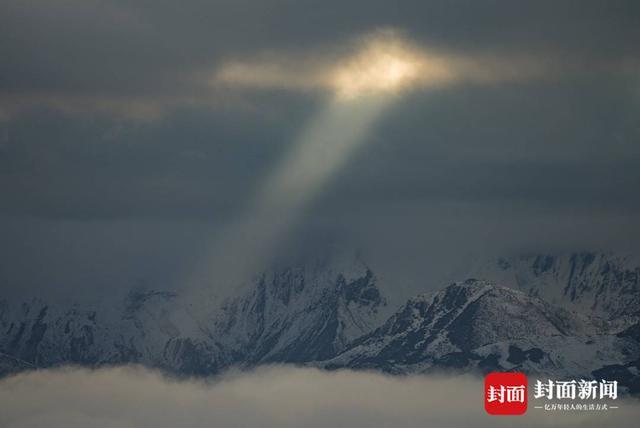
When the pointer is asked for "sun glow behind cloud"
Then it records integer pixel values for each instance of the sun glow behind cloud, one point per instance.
(386, 63)
(382, 62)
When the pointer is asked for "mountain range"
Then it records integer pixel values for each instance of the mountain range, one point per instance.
(572, 315)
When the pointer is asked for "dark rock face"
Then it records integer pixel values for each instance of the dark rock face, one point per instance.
(518, 356)
(632, 332)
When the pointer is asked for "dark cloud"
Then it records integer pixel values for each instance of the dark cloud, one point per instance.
(111, 135)
(153, 49)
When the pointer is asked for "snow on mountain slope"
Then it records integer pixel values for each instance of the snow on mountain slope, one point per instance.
(301, 314)
(148, 328)
(38, 334)
(477, 325)
(599, 284)
(161, 330)
(321, 315)
(290, 315)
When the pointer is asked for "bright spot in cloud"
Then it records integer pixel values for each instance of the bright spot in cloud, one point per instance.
(386, 63)
(383, 62)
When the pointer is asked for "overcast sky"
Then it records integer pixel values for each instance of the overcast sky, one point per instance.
(133, 133)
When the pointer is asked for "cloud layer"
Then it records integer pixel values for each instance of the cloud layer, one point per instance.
(132, 133)
(386, 61)
(140, 60)
(269, 397)
(380, 62)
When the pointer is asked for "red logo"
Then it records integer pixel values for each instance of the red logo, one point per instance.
(505, 393)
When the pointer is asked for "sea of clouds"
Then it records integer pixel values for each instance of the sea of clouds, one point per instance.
(267, 397)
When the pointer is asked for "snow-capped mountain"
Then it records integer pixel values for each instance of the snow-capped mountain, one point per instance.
(563, 316)
(36, 334)
(290, 315)
(300, 314)
(600, 284)
(144, 329)
(477, 325)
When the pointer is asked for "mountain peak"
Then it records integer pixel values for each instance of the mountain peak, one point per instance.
(301, 314)
(458, 319)
(598, 283)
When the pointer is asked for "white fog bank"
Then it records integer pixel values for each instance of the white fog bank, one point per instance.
(267, 397)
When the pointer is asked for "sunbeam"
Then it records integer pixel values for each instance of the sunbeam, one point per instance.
(320, 151)
(363, 87)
